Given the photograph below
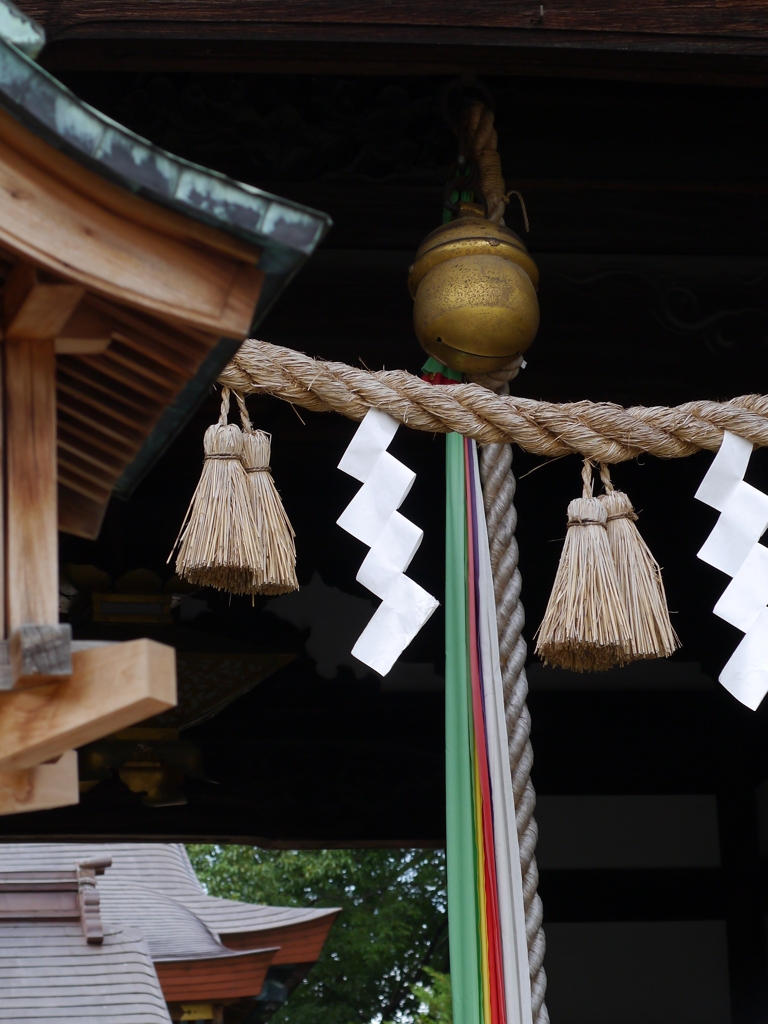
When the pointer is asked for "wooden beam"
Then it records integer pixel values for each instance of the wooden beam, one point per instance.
(32, 537)
(34, 310)
(110, 688)
(48, 222)
(656, 16)
(86, 332)
(40, 788)
(650, 41)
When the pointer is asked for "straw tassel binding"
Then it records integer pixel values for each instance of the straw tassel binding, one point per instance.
(585, 627)
(219, 545)
(277, 572)
(639, 576)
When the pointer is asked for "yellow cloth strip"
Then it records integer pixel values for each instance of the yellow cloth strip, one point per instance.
(481, 894)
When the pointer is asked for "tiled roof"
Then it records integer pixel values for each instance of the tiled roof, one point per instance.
(162, 934)
(49, 974)
(159, 868)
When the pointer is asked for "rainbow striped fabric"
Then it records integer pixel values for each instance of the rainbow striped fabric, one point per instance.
(489, 960)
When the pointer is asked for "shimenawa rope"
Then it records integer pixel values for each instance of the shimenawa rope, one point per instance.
(597, 430)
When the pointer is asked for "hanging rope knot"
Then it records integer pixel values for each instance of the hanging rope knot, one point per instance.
(629, 514)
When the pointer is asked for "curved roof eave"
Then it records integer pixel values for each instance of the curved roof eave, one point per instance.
(286, 232)
(48, 108)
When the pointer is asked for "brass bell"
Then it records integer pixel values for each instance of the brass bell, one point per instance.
(474, 290)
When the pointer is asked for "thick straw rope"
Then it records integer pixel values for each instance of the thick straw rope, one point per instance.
(598, 430)
(499, 487)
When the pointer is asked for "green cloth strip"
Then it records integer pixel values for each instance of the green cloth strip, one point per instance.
(433, 365)
(463, 909)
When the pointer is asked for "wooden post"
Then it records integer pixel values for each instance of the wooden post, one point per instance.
(34, 314)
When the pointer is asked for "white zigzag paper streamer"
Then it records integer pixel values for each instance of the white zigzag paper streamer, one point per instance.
(734, 548)
(373, 518)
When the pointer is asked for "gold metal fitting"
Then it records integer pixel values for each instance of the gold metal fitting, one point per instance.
(474, 289)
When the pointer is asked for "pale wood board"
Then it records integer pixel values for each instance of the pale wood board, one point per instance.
(111, 688)
(40, 788)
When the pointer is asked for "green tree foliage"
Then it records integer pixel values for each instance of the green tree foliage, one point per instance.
(393, 925)
(436, 1005)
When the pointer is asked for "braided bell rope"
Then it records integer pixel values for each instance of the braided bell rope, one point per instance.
(600, 431)
(499, 486)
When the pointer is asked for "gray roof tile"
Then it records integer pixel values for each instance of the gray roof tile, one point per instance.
(163, 868)
(48, 973)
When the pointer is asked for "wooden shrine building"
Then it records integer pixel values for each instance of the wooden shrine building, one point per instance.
(129, 279)
(634, 132)
(125, 932)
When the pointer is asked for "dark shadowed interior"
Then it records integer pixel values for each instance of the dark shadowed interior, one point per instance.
(648, 212)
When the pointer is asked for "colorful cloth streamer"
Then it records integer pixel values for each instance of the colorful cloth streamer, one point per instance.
(489, 960)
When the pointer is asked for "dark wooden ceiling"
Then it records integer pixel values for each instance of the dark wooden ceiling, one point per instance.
(657, 41)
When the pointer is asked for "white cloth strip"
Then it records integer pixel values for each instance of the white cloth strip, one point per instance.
(726, 472)
(747, 593)
(509, 880)
(383, 492)
(390, 555)
(742, 523)
(372, 437)
(395, 623)
(746, 674)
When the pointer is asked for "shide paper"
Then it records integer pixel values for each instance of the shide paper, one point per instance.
(726, 472)
(746, 674)
(383, 492)
(372, 437)
(373, 518)
(734, 548)
(742, 523)
(391, 554)
(397, 620)
(746, 595)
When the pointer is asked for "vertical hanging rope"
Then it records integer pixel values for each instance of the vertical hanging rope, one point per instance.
(499, 487)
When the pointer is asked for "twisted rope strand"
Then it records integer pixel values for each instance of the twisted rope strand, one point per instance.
(597, 430)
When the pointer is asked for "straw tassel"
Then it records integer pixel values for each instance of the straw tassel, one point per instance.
(277, 572)
(584, 627)
(219, 545)
(640, 584)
